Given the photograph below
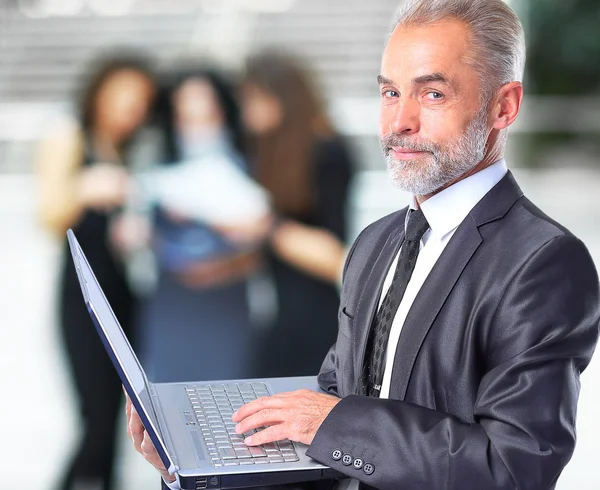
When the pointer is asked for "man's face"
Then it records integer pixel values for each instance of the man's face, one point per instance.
(433, 128)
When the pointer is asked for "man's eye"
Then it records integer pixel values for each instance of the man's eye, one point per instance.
(435, 95)
(388, 94)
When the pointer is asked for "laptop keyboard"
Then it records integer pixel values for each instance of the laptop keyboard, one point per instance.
(213, 407)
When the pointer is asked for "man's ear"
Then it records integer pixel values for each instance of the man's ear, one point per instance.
(507, 105)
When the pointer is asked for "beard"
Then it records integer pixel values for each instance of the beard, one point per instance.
(444, 162)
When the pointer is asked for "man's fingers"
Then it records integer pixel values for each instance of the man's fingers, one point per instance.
(128, 414)
(150, 453)
(265, 402)
(137, 435)
(265, 417)
(142, 442)
(135, 423)
(274, 433)
(137, 442)
(136, 429)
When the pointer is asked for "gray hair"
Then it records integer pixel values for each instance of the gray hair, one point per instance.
(496, 31)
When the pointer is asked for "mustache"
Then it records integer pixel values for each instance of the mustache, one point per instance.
(407, 142)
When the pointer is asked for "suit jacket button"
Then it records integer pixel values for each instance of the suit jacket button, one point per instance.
(369, 469)
(336, 455)
(347, 460)
(358, 463)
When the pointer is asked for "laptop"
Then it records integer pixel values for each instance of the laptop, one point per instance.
(190, 423)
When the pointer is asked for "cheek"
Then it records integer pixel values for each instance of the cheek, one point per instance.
(261, 117)
(385, 122)
(130, 113)
(253, 117)
(439, 127)
(141, 111)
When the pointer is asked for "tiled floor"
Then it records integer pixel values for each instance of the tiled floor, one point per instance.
(37, 419)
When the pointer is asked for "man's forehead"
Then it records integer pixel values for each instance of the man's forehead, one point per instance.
(435, 48)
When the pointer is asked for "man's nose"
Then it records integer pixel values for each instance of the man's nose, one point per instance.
(405, 117)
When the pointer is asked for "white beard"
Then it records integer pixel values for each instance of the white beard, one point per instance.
(442, 165)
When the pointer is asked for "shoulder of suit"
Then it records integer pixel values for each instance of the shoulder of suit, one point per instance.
(376, 230)
(525, 230)
(532, 216)
(385, 225)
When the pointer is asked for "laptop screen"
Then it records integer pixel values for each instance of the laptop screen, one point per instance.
(119, 349)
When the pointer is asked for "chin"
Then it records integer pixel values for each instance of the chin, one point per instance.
(406, 181)
(411, 177)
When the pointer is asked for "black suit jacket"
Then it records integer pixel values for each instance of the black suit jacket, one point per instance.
(486, 375)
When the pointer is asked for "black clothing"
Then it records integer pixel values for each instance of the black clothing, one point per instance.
(97, 383)
(306, 324)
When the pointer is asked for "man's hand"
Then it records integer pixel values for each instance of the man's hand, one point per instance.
(295, 416)
(142, 442)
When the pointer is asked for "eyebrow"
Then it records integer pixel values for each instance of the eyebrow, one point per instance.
(429, 78)
(384, 81)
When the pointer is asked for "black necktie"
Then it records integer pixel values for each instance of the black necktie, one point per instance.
(376, 349)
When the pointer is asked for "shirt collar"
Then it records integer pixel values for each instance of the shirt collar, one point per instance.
(447, 209)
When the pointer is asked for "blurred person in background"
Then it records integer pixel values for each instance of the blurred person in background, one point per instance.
(196, 325)
(306, 167)
(83, 182)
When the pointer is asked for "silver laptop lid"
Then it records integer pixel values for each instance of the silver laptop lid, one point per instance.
(119, 349)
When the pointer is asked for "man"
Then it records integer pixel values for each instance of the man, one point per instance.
(465, 320)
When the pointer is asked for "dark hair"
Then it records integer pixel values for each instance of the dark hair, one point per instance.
(284, 157)
(102, 68)
(225, 93)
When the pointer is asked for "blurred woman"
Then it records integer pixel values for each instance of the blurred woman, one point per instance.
(197, 323)
(83, 182)
(307, 168)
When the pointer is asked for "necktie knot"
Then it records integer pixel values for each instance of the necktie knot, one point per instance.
(417, 226)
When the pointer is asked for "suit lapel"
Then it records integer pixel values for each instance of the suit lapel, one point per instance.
(442, 278)
(429, 302)
(371, 292)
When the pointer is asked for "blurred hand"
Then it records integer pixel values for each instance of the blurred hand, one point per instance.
(130, 232)
(246, 234)
(142, 442)
(295, 416)
(103, 186)
(313, 250)
(221, 271)
(175, 216)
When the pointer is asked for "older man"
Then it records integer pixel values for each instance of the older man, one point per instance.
(466, 318)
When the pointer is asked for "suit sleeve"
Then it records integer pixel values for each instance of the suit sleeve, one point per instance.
(543, 335)
(327, 378)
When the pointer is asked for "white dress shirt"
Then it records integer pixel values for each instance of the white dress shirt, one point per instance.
(444, 212)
